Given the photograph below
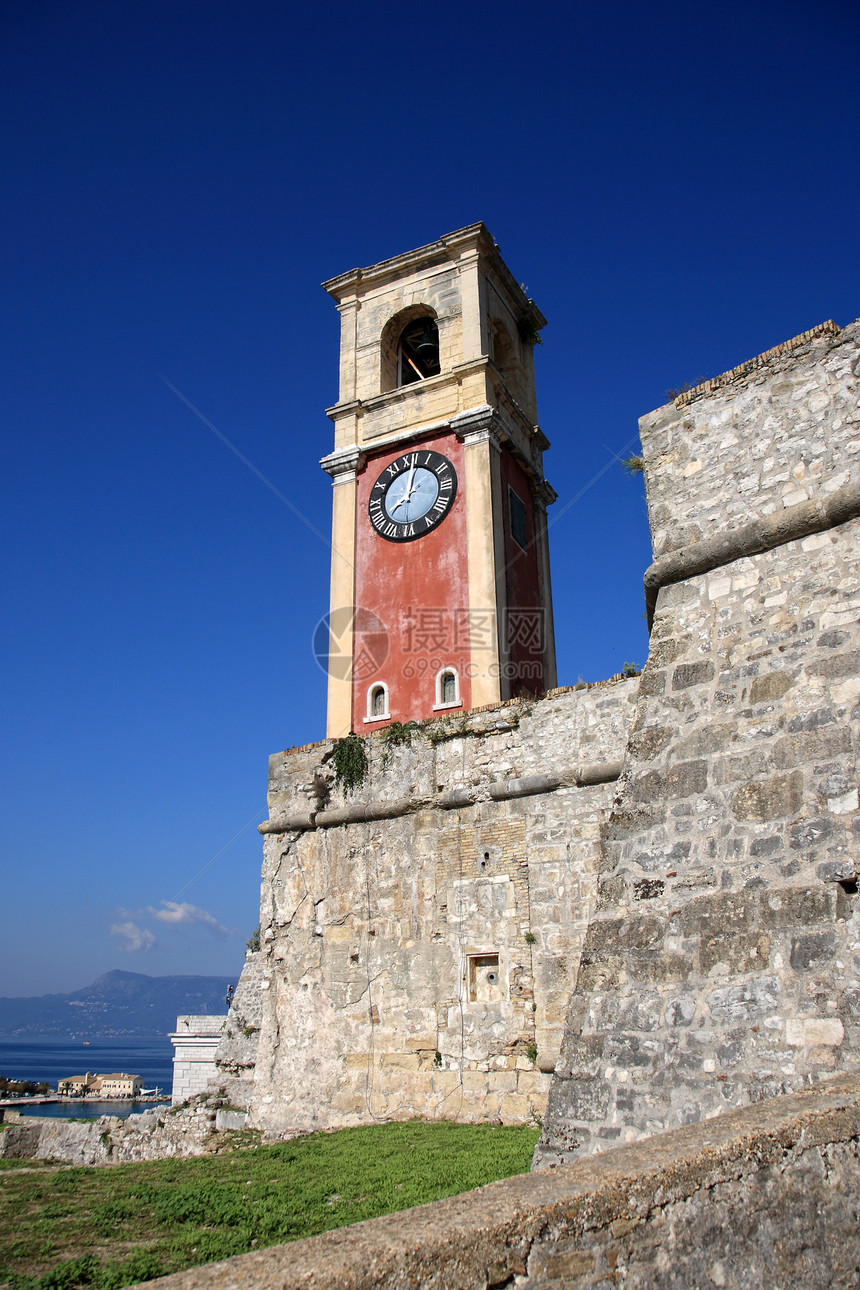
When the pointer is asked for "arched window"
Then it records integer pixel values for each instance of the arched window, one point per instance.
(408, 348)
(447, 689)
(418, 351)
(502, 349)
(377, 703)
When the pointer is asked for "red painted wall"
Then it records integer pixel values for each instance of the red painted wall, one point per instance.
(419, 590)
(525, 623)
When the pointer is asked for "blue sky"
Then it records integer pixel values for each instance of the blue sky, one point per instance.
(677, 187)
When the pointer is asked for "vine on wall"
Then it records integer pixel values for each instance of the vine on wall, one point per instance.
(350, 762)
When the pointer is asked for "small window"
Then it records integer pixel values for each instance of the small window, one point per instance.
(377, 703)
(418, 351)
(447, 689)
(518, 519)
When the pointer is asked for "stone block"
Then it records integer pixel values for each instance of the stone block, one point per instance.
(751, 1000)
(707, 739)
(736, 770)
(585, 1099)
(533, 1082)
(652, 682)
(656, 967)
(688, 674)
(681, 779)
(715, 915)
(812, 1032)
(837, 666)
(770, 687)
(612, 936)
(645, 745)
(515, 1108)
(741, 953)
(811, 746)
(400, 1061)
(797, 907)
(605, 973)
(227, 1118)
(361, 1061)
(811, 950)
(772, 799)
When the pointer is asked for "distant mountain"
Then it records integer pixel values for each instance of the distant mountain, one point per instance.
(117, 1005)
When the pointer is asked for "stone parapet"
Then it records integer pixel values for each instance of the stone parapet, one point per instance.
(781, 433)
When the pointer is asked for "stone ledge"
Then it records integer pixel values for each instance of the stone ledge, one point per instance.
(816, 515)
(554, 1228)
(452, 799)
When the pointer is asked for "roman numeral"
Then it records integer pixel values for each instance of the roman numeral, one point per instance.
(446, 484)
(394, 469)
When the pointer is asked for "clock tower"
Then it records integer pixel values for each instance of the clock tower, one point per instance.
(440, 587)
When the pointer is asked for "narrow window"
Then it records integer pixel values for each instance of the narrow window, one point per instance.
(518, 519)
(447, 689)
(377, 703)
(418, 351)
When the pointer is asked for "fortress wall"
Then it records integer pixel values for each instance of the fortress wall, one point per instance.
(723, 961)
(380, 993)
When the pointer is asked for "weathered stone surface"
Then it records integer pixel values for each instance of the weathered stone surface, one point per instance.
(774, 798)
(385, 927)
(774, 954)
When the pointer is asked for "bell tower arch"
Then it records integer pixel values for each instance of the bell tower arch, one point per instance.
(440, 561)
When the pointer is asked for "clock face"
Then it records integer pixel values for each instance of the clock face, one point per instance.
(412, 495)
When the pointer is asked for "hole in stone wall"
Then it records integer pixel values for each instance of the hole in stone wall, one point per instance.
(483, 978)
(849, 886)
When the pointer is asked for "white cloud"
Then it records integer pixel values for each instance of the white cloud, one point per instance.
(132, 937)
(184, 914)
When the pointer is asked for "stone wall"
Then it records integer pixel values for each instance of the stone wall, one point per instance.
(723, 961)
(420, 938)
(763, 1197)
(153, 1135)
(236, 1054)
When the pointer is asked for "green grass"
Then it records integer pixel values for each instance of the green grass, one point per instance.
(112, 1226)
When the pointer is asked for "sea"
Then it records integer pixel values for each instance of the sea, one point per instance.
(52, 1060)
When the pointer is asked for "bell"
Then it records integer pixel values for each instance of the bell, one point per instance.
(427, 347)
